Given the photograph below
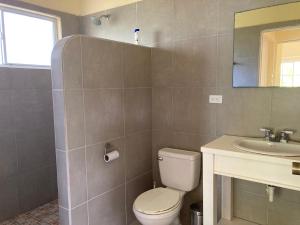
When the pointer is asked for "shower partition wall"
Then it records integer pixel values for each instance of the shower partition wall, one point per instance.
(101, 93)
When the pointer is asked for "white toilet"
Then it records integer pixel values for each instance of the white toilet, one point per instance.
(180, 172)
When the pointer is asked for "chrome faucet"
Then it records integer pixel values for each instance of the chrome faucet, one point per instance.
(269, 134)
(285, 135)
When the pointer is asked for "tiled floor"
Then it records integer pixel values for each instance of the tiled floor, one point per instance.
(43, 215)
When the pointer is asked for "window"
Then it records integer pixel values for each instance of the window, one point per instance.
(290, 74)
(27, 37)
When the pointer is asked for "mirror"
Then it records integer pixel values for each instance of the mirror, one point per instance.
(267, 47)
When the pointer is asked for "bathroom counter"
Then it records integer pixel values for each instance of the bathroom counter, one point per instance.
(224, 146)
(221, 157)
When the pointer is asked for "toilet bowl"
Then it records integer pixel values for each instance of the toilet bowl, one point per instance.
(160, 206)
(180, 172)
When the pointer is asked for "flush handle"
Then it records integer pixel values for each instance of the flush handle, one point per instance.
(160, 158)
(296, 168)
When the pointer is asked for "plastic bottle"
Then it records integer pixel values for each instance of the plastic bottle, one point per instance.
(136, 35)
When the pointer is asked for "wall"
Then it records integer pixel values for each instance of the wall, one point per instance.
(101, 93)
(277, 14)
(27, 152)
(80, 7)
(192, 58)
(92, 6)
(68, 6)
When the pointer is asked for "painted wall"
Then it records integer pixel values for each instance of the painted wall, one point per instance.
(105, 97)
(80, 7)
(93, 6)
(68, 6)
(27, 151)
(190, 64)
(277, 14)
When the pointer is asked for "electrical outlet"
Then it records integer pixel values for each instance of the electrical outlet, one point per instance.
(216, 99)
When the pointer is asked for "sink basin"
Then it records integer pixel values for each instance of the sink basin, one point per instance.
(263, 147)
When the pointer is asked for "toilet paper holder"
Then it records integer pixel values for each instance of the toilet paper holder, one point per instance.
(107, 147)
(110, 154)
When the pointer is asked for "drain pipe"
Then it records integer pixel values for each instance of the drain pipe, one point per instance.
(271, 192)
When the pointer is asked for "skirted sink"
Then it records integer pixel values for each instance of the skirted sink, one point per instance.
(291, 149)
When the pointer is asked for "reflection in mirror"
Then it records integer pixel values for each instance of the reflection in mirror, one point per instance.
(267, 47)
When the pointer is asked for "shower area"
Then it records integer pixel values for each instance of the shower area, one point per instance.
(27, 152)
(28, 173)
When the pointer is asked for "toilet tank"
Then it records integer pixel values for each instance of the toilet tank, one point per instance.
(179, 169)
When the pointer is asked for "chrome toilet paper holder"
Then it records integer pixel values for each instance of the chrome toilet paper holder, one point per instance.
(107, 147)
(110, 153)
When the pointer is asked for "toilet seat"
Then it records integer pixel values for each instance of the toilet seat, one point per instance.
(157, 201)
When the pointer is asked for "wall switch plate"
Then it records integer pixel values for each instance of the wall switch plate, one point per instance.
(216, 99)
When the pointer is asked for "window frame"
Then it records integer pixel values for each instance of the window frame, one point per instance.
(285, 75)
(25, 12)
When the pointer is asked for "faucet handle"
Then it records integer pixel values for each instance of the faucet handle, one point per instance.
(268, 131)
(269, 135)
(284, 135)
(288, 132)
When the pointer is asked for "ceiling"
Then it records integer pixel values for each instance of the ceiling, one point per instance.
(80, 7)
(274, 14)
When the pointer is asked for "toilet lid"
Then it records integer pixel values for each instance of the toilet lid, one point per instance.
(157, 201)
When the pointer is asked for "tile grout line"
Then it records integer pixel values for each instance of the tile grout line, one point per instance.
(124, 134)
(85, 131)
(66, 143)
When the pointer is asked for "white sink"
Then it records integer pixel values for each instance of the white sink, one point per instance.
(263, 147)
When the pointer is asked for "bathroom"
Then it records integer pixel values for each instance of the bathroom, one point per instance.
(104, 88)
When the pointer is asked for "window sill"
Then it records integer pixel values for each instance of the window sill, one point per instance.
(26, 67)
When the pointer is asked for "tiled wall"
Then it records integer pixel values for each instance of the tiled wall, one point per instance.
(27, 152)
(101, 93)
(192, 58)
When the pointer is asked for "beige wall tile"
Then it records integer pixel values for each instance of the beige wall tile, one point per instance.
(62, 179)
(59, 119)
(102, 63)
(161, 27)
(138, 154)
(283, 212)
(102, 176)
(119, 28)
(137, 67)
(188, 15)
(79, 215)
(250, 207)
(162, 64)
(137, 110)
(74, 118)
(192, 113)
(192, 142)
(244, 111)
(108, 208)
(77, 177)
(225, 59)
(63, 216)
(71, 63)
(195, 62)
(103, 115)
(162, 108)
(286, 109)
